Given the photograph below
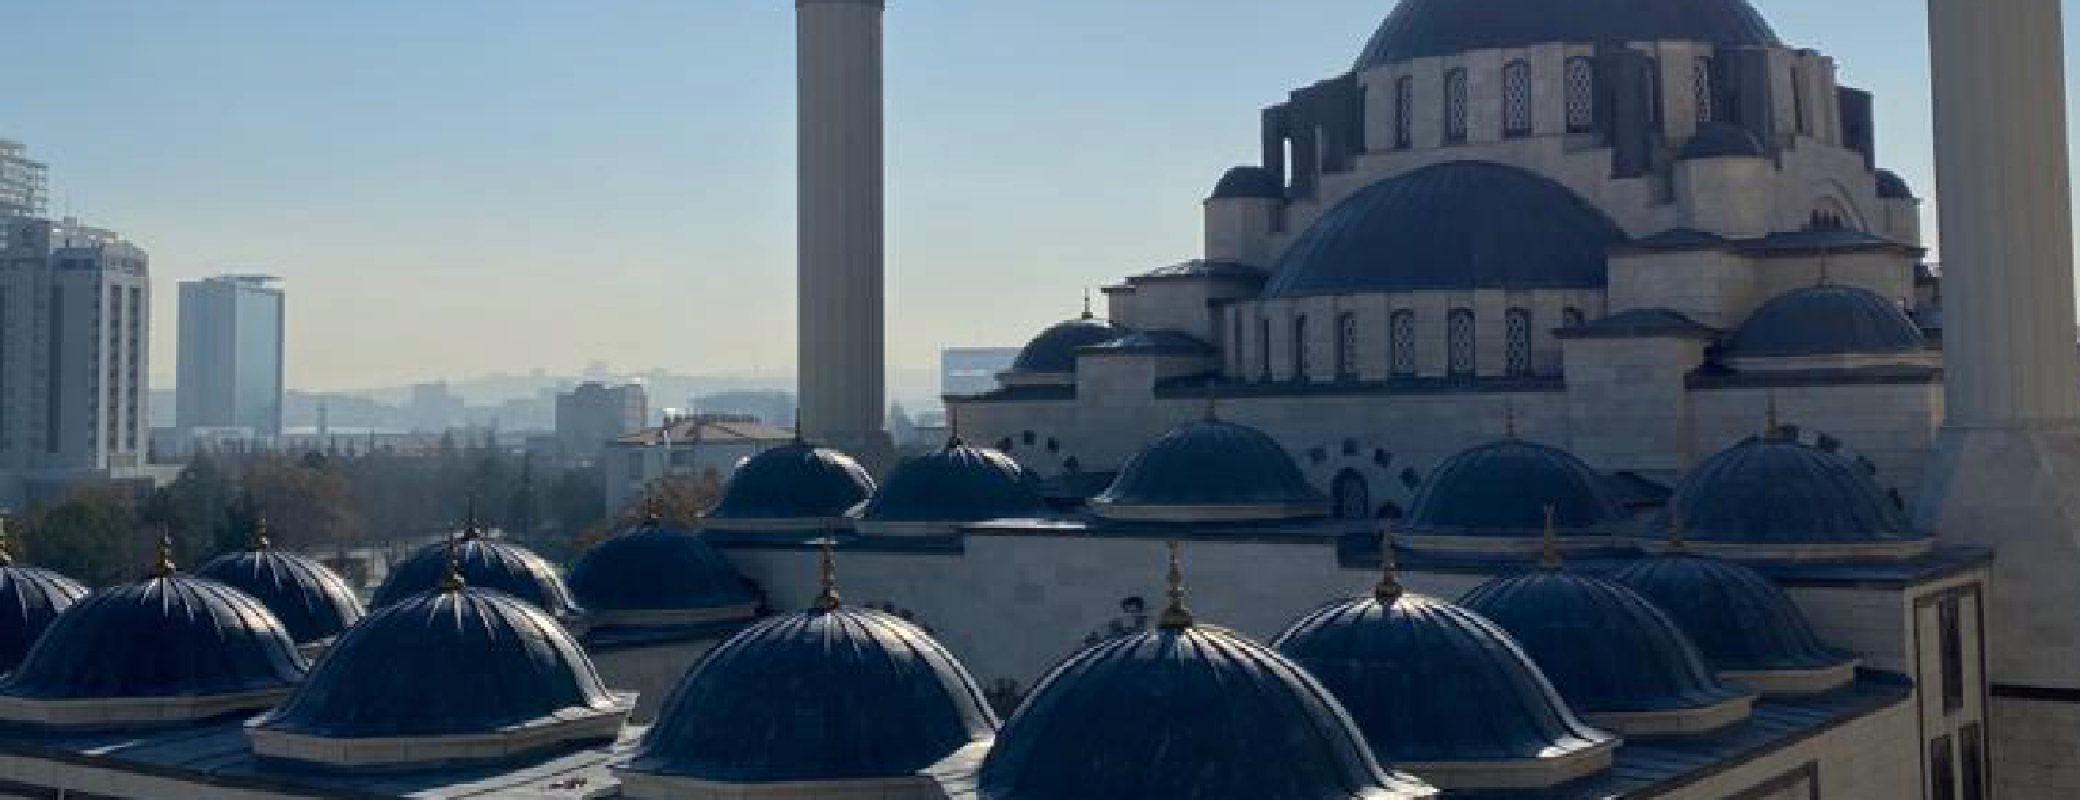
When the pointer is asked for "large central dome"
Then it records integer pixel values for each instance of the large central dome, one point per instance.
(1420, 28)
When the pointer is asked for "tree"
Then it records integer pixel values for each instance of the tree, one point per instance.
(305, 508)
(92, 534)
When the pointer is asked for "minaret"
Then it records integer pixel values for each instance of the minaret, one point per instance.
(840, 226)
(2007, 472)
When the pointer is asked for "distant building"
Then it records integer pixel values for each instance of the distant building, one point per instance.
(684, 447)
(75, 307)
(230, 370)
(24, 183)
(965, 371)
(590, 416)
(433, 407)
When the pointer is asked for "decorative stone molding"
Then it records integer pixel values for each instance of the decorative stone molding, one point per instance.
(112, 712)
(571, 726)
(1703, 719)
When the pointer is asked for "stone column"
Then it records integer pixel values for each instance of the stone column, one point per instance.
(2007, 472)
(840, 295)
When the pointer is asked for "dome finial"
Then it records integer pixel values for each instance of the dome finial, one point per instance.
(1772, 426)
(827, 598)
(653, 508)
(1678, 534)
(452, 582)
(472, 528)
(260, 541)
(1087, 304)
(164, 566)
(1550, 558)
(798, 437)
(1176, 617)
(1213, 399)
(1389, 588)
(953, 426)
(6, 542)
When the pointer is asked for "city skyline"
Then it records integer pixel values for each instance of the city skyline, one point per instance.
(473, 189)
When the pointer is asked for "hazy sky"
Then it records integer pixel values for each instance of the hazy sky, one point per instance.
(453, 187)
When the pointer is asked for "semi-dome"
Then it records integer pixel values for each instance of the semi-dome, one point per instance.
(1458, 225)
(1722, 140)
(833, 695)
(487, 563)
(1421, 28)
(660, 574)
(1747, 629)
(1255, 183)
(795, 481)
(1054, 350)
(1211, 470)
(1773, 496)
(170, 648)
(1826, 320)
(437, 676)
(313, 602)
(1445, 693)
(30, 599)
(1893, 187)
(1502, 489)
(1183, 712)
(1612, 654)
(956, 483)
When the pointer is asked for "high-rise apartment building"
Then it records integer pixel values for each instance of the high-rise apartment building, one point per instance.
(23, 182)
(590, 416)
(230, 370)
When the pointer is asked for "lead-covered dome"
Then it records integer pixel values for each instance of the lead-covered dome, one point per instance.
(956, 483)
(1442, 691)
(660, 574)
(795, 481)
(833, 694)
(1824, 321)
(30, 599)
(1610, 652)
(1501, 489)
(1054, 350)
(1776, 497)
(1183, 713)
(1746, 628)
(487, 563)
(1458, 225)
(1421, 28)
(436, 677)
(313, 602)
(1211, 470)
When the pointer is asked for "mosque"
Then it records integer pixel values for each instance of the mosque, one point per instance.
(1563, 408)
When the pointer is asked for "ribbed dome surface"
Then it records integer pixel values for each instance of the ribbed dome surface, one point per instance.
(1722, 140)
(794, 481)
(486, 563)
(1428, 681)
(1739, 620)
(657, 567)
(1054, 350)
(312, 601)
(1419, 28)
(30, 599)
(1893, 187)
(956, 483)
(1177, 715)
(443, 664)
(1212, 463)
(1782, 491)
(178, 636)
(1606, 648)
(1826, 320)
(1458, 225)
(1250, 183)
(1502, 489)
(817, 696)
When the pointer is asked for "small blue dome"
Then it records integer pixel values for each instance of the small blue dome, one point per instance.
(1826, 320)
(1722, 140)
(444, 663)
(1422, 28)
(657, 567)
(1431, 682)
(794, 481)
(956, 483)
(1502, 489)
(1607, 649)
(1457, 225)
(487, 563)
(1193, 713)
(1054, 350)
(1255, 183)
(1215, 468)
(844, 694)
(1739, 620)
(30, 599)
(312, 602)
(175, 636)
(1778, 490)
(1893, 187)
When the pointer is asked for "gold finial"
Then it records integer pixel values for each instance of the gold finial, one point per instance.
(953, 426)
(1176, 617)
(1389, 588)
(472, 527)
(1550, 559)
(1678, 534)
(6, 542)
(260, 541)
(1087, 304)
(827, 598)
(653, 508)
(452, 582)
(164, 567)
(1509, 418)
(1772, 427)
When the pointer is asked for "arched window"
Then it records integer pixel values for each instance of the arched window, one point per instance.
(1459, 354)
(1347, 347)
(1581, 94)
(1303, 364)
(1516, 98)
(1455, 106)
(1701, 87)
(1405, 112)
(1572, 317)
(1353, 497)
(1264, 346)
(1517, 342)
(1401, 342)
